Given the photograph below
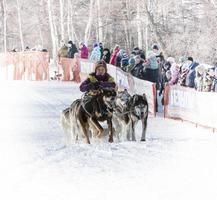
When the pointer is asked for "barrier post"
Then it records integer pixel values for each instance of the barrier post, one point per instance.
(154, 90)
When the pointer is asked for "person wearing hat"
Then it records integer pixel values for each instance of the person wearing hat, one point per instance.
(83, 51)
(96, 80)
(99, 78)
(114, 55)
(96, 53)
(101, 49)
(106, 55)
(72, 49)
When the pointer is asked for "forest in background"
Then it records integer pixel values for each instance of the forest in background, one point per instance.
(180, 27)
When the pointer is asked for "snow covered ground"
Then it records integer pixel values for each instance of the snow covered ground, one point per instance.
(178, 162)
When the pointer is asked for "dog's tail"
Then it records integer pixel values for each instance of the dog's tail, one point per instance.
(65, 119)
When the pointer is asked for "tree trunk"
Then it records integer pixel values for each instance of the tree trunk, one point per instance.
(68, 19)
(146, 37)
(5, 25)
(20, 25)
(100, 23)
(138, 23)
(40, 21)
(89, 23)
(52, 31)
(62, 19)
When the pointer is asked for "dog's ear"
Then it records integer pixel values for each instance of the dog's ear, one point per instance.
(135, 98)
(125, 91)
(144, 97)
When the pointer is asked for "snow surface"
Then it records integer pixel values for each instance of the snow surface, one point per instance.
(178, 161)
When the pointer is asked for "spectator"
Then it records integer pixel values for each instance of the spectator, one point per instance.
(63, 51)
(101, 49)
(72, 49)
(83, 51)
(122, 54)
(174, 71)
(166, 76)
(106, 55)
(114, 55)
(124, 63)
(135, 51)
(142, 54)
(96, 53)
(27, 48)
(131, 64)
(138, 69)
(190, 78)
(152, 66)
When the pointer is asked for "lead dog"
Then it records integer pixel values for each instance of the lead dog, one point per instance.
(128, 112)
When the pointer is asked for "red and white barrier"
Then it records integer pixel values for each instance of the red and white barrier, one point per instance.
(190, 105)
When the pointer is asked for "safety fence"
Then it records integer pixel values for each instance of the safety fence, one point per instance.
(31, 65)
(190, 105)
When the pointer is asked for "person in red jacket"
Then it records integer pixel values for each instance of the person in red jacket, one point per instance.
(114, 55)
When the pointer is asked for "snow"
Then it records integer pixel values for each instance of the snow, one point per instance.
(178, 161)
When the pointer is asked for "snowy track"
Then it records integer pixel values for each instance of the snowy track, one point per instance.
(177, 162)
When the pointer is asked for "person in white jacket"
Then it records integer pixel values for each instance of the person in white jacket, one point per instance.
(96, 53)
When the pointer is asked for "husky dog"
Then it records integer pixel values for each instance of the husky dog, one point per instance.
(121, 118)
(69, 122)
(128, 111)
(79, 117)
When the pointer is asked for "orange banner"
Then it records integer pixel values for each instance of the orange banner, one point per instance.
(29, 65)
(70, 69)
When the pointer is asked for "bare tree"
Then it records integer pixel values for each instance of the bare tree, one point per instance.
(62, 19)
(52, 29)
(20, 25)
(100, 23)
(5, 25)
(89, 23)
(183, 27)
(138, 23)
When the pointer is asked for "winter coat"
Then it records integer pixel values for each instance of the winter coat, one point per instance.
(183, 75)
(152, 60)
(106, 56)
(124, 63)
(113, 57)
(91, 83)
(72, 50)
(190, 78)
(63, 52)
(84, 52)
(174, 74)
(121, 55)
(137, 70)
(101, 51)
(96, 54)
(166, 77)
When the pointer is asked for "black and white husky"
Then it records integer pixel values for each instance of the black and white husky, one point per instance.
(128, 112)
(69, 122)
